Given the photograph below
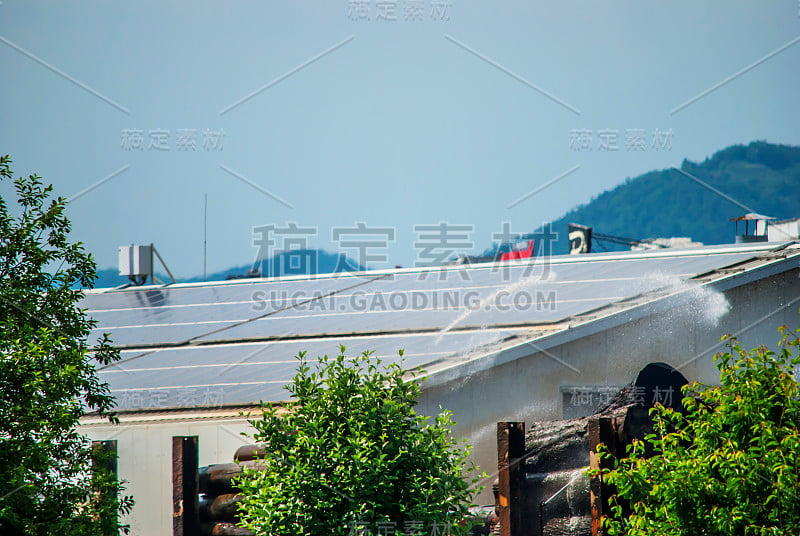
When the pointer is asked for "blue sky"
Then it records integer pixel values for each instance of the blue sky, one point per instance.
(457, 113)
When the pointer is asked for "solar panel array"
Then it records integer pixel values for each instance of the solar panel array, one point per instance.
(233, 342)
(244, 373)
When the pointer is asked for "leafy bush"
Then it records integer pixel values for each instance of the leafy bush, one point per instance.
(51, 480)
(352, 456)
(730, 465)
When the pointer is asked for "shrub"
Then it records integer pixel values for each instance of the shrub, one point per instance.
(730, 465)
(51, 480)
(353, 457)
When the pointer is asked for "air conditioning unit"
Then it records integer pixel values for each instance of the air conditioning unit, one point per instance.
(136, 262)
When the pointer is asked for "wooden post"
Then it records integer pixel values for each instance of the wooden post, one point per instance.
(601, 430)
(185, 508)
(110, 464)
(105, 457)
(510, 451)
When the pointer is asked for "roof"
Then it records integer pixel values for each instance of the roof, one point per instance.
(233, 342)
(752, 216)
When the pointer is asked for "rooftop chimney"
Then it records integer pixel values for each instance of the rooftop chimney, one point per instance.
(755, 228)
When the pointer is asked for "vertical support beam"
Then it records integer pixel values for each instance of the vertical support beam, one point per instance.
(601, 430)
(107, 451)
(511, 476)
(185, 518)
(595, 489)
(105, 458)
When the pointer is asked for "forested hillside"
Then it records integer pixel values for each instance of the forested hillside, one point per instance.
(761, 176)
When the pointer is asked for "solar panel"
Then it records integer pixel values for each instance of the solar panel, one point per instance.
(246, 373)
(137, 317)
(212, 364)
(479, 297)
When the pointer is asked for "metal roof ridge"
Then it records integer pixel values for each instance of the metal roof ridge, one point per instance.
(719, 249)
(228, 412)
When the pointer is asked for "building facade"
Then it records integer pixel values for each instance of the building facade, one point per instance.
(525, 340)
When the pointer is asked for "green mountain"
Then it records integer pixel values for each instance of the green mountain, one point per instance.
(696, 201)
(760, 177)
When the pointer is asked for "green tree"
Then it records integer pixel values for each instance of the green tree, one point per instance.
(352, 454)
(51, 481)
(730, 465)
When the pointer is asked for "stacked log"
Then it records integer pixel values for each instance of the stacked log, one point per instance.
(249, 453)
(219, 498)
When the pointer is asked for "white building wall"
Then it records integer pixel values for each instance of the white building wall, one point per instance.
(529, 389)
(783, 231)
(145, 459)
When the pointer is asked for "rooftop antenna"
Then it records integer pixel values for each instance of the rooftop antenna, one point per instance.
(205, 234)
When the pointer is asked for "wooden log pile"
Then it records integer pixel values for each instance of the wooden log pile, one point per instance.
(219, 499)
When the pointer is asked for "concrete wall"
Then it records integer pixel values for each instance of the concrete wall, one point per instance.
(529, 389)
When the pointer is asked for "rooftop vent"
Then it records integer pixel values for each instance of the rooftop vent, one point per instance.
(755, 228)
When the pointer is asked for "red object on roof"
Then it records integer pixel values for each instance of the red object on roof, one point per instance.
(518, 253)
